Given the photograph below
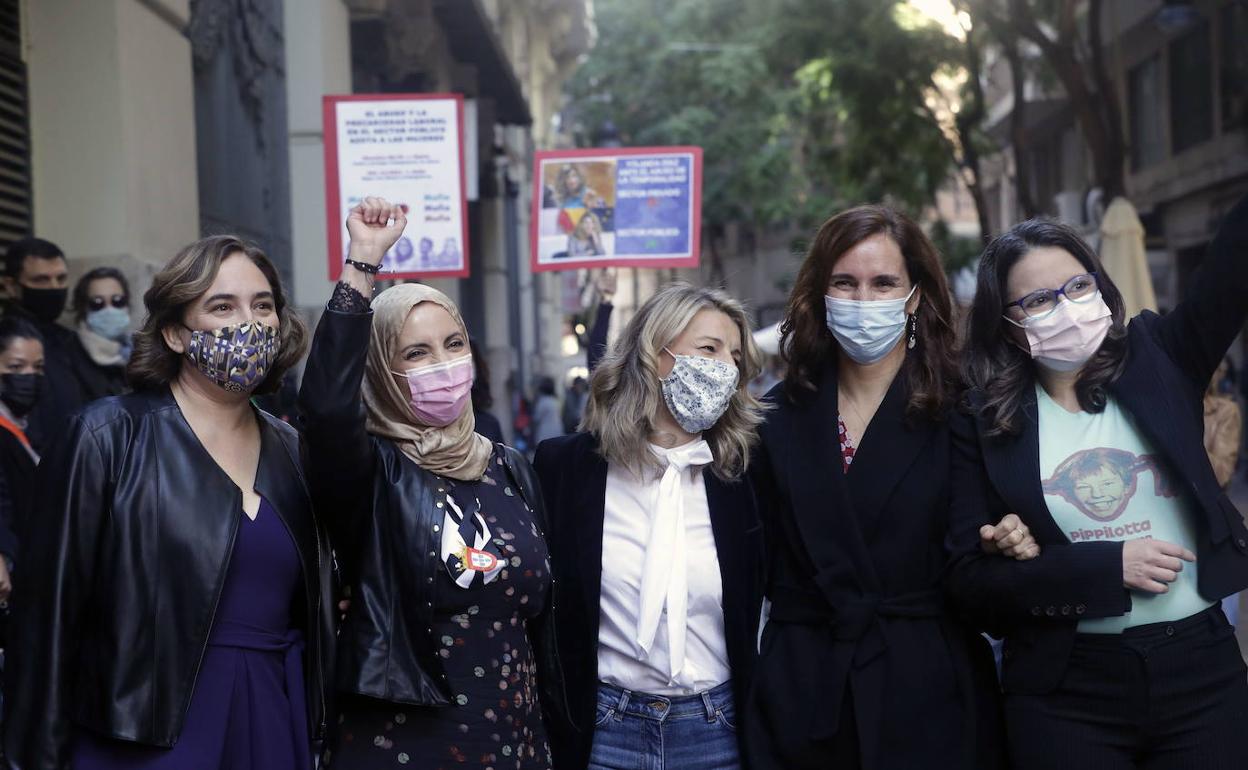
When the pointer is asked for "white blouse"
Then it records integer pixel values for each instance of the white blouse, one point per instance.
(638, 520)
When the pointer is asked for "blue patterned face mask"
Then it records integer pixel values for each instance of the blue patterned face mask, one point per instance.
(698, 390)
(236, 357)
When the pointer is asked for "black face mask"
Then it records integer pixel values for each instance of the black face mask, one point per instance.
(44, 304)
(20, 392)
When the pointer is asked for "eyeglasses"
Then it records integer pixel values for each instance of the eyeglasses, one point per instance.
(117, 301)
(1042, 302)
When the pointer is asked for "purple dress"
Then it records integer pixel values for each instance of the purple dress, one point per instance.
(248, 711)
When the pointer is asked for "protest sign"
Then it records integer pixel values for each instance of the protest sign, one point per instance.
(622, 207)
(407, 148)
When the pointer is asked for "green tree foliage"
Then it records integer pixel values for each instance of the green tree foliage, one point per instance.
(800, 106)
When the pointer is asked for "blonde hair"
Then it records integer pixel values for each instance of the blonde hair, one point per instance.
(625, 393)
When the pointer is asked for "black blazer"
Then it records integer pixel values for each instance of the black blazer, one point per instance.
(574, 483)
(859, 637)
(1169, 361)
(123, 566)
(18, 493)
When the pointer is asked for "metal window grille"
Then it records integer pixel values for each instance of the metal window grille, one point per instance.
(15, 199)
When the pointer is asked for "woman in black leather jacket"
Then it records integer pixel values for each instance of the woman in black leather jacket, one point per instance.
(437, 530)
(176, 604)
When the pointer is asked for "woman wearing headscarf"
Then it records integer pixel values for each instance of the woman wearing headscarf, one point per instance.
(437, 530)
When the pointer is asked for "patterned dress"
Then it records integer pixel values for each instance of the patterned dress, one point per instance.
(480, 631)
(847, 445)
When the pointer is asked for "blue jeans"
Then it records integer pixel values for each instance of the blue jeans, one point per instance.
(637, 731)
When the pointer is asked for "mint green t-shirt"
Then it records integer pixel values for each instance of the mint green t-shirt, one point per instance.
(1103, 481)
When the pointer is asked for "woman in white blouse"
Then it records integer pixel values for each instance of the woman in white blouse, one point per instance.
(656, 543)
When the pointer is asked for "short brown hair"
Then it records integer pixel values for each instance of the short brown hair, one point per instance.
(153, 364)
(807, 345)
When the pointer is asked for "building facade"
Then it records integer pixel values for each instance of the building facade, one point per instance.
(1182, 86)
(132, 127)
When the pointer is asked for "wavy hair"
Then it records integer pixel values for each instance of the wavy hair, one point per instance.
(807, 345)
(625, 393)
(153, 364)
(1000, 372)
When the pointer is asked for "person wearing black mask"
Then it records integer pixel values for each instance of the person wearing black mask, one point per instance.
(36, 280)
(21, 383)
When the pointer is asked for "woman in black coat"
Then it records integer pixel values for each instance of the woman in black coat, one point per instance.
(862, 664)
(1117, 654)
(174, 604)
(101, 306)
(655, 535)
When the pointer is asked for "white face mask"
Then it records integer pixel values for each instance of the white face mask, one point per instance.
(1067, 338)
(698, 390)
(867, 330)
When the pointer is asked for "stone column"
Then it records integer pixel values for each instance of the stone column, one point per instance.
(318, 62)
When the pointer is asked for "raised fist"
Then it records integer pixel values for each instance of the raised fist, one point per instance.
(374, 225)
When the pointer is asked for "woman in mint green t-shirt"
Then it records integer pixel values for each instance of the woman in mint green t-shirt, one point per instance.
(1090, 428)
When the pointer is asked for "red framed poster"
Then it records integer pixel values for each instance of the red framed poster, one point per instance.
(409, 149)
(616, 207)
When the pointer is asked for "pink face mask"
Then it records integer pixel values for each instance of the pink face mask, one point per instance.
(440, 392)
(1067, 338)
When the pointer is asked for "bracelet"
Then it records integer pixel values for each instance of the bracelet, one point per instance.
(364, 267)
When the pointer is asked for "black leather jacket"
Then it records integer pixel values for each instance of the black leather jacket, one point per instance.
(127, 555)
(385, 514)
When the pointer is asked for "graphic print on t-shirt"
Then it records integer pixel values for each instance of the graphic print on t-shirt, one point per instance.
(1100, 482)
(1104, 481)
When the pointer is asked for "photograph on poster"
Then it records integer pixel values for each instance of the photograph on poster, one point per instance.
(636, 206)
(407, 148)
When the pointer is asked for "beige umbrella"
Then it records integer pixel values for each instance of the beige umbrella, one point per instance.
(768, 339)
(1122, 254)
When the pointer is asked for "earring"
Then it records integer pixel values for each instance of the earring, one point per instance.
(914, 327)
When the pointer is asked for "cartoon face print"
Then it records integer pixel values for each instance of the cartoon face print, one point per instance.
(1102, 491)
(1101, 482)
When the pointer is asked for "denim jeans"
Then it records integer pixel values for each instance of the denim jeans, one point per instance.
(638, 731)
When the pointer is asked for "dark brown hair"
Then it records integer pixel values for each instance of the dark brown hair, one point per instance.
(806, 343)
(997, 370)
(186, 277)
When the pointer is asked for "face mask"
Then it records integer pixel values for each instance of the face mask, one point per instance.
(21, 392)
(44, 304)
(440, 392)
(110, 323)
(698, 390)
(235, 357)
(866, 330)
(1065, 339)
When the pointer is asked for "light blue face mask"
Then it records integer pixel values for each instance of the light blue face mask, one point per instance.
(867, 330)
(110, 322)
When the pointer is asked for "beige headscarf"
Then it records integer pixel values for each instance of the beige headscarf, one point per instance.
(457, 450)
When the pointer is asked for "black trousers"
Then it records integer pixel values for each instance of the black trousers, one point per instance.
(1165, 696)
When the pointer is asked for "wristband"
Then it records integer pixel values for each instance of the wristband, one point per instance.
(364, 267)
